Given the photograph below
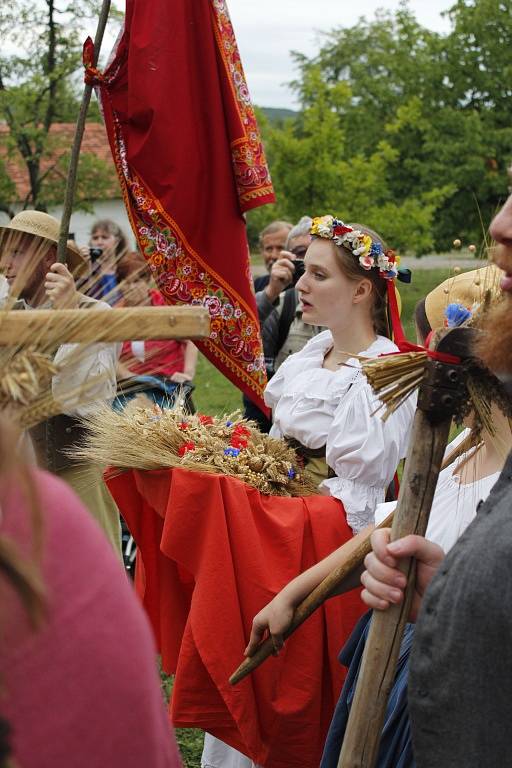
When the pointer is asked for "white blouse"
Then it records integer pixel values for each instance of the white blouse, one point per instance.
(454, 505)
(87, 374)
(320, 407)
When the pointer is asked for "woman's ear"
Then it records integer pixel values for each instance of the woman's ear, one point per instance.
(362, 291)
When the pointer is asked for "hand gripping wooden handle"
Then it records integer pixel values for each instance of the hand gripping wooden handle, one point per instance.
(332, 582)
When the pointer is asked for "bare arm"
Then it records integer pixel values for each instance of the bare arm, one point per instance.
(277, 615)
(189, 365)
(190, 360)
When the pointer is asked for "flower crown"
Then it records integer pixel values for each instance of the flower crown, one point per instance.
(369, 252)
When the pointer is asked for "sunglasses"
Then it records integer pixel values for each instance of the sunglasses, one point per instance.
(299, 251)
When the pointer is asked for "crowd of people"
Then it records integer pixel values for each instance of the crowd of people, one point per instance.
(77, 661)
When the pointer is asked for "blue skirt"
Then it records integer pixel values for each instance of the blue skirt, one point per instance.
(395, 749)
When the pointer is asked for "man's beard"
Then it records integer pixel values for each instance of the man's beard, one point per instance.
(494, 347)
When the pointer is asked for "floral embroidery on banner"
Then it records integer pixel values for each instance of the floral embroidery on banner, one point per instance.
(252, 175)
(183, 278)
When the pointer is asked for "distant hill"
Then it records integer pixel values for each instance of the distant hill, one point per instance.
(277, 114)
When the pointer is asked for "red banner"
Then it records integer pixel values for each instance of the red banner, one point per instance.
(190, 161)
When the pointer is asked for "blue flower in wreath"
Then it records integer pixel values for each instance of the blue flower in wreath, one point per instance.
(291, 473)
(376, 250)
(231, 451)
(456, 315)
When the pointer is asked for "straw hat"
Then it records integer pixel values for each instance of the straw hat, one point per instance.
(45, 228)
(466, 288)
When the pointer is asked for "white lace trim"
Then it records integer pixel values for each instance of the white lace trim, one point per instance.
(359, 500)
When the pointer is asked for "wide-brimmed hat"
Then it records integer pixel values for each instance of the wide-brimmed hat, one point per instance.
(466, 288)
(44, 227)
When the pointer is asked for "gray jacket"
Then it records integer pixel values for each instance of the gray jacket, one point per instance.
(460, 691)
(282, 329)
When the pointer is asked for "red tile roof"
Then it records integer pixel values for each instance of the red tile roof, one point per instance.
(94, 142)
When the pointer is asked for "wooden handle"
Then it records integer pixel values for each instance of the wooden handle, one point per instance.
(376, 676)
(333, 581)
(69, 194)
(47, 327)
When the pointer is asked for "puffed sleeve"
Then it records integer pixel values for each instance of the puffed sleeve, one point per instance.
(364, 452)
(275, 387)
(310, 356)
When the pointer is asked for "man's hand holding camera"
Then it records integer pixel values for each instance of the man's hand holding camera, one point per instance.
(281, 275)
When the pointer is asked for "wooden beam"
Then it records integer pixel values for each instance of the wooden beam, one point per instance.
(42, 327)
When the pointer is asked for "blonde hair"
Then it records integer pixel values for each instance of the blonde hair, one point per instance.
(21, 571)
(110, 226)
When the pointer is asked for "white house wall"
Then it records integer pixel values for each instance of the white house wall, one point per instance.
(81, 222)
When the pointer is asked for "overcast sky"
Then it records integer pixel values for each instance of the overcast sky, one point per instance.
(267, 30)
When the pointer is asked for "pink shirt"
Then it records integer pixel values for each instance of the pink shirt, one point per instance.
(83, 691)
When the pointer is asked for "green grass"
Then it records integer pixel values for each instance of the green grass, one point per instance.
(423, 281)
(257, 260)
(214, 394)
(190, 744)
(190, 740)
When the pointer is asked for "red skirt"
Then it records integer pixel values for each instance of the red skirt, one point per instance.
(214, 551)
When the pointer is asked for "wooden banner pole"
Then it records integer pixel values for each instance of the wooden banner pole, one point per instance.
(69, 196)
(362, 736)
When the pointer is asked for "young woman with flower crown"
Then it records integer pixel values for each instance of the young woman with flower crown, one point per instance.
(320, 400)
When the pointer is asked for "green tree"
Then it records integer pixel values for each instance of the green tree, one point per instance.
(478, 56)
(384, 62)
(431, 113)
(314, 173)
(480, 73)
(7, 189)
(305, 153)
(39, 86)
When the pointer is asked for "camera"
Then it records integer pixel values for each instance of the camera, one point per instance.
(298, 265)
(95, 253)
(298, 270)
